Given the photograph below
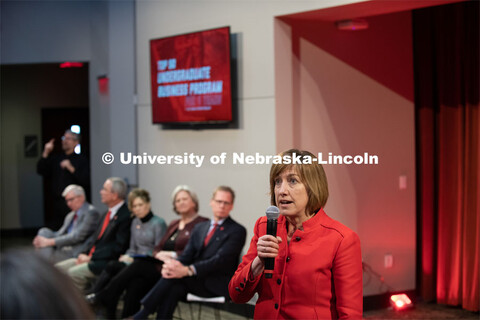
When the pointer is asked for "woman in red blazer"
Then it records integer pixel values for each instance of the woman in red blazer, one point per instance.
(318, 263)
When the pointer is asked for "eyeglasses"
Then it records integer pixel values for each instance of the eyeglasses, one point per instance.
(68, 138)
(67, 200)
(106, 190)
(220, 202)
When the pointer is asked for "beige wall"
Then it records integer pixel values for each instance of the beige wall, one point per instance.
(313, 100)
(325, 104)
(252, 24)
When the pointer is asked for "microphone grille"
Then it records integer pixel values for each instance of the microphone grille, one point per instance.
(272, 212)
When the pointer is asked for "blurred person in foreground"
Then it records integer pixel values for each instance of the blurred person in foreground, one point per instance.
(139, 277)
(318, 263)
(32, 288)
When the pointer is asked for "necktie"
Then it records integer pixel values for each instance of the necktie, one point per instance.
(210, 234)
(70, 227)
(104, 226)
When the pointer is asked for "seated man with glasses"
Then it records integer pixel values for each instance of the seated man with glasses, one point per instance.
(205, 266)
(77, 227)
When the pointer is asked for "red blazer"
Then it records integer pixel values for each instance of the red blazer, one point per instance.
(318, 275)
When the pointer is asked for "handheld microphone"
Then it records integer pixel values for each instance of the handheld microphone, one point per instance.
(272, 216)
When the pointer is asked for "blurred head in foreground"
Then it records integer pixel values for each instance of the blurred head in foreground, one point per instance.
(32, 288)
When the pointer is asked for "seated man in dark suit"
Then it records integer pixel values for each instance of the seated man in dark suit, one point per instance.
(78, 226)
(205, 266)
(110, 240)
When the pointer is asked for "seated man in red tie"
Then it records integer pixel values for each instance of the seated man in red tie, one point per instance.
(78, 226)
(205, 266)
(110, 240)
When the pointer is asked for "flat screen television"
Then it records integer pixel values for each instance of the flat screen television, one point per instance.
(191, 78)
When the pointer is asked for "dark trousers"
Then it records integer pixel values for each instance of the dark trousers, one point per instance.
(113, 268)
(136, 279)
(164, 297)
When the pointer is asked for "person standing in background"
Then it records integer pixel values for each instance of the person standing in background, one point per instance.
(63, 169)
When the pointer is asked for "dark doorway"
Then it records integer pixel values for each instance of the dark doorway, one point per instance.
(26, 90)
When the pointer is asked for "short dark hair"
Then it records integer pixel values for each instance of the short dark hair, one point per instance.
(226, 189)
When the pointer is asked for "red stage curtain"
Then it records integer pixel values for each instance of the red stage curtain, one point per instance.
(446, 57)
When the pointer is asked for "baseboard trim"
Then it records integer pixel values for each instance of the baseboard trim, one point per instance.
(24, 232)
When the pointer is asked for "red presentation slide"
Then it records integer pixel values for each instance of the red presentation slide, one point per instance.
(190, 77)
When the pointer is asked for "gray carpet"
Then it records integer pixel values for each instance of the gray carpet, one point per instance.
(423, 311)
(192, 311)
(420, 311)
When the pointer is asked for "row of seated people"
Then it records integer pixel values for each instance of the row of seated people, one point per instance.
(161, 265)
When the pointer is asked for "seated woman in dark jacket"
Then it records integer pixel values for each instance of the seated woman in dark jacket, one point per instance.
(139, 277)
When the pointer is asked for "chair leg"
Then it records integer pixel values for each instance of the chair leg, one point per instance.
(191, 310)
(216, 312)
(178, 311)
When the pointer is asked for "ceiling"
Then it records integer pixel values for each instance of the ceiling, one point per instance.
(364, 9)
